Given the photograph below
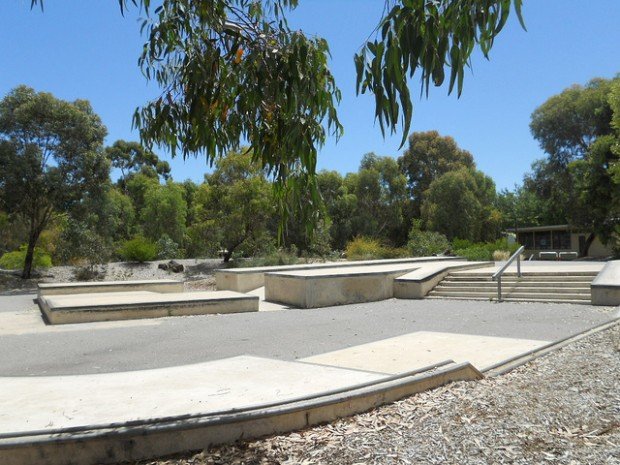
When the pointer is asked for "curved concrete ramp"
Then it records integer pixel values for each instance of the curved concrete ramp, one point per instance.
(109, 418)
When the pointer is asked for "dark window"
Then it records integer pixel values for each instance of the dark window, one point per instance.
(561, 240)
(542, 240)
(526, 239)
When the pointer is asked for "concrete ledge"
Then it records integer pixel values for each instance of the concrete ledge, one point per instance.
(605, 288)
(156, 285)
(248, 279)
(110, 306)
(334, 286)
(164, 436)
(417, 284)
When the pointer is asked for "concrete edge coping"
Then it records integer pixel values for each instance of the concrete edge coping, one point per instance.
(608, 277)
(435, 272)
(106, 283)
(352, 274)
(511, 363)
(343, 264)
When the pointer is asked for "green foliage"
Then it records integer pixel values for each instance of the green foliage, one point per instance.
(482, 251)
(428, 157)
(426, 243)
(138, 249)
(425, 37)
(167, 248)
(235, 204)
(15, 260)
(164, 212)
(51, 157)
(79, 242)
(461, 204)
(278, 257)
(366, 248)
(131, 158)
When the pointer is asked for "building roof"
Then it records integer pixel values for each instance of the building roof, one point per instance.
(555, 227)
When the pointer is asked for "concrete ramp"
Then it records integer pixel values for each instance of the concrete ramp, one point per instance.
(422, 348)
(82, 308)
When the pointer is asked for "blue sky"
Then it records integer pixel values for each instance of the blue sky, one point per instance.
(86, 49)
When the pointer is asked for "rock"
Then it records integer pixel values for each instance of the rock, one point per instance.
(174, 267)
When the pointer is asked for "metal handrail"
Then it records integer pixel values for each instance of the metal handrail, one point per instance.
(498, 274)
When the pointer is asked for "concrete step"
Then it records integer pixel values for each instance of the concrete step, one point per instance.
(527, 273)
(550, 279)
(509, 288)
(515, 295)
(508, 299)
(524, 284)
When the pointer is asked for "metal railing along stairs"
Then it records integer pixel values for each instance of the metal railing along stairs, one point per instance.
(497, 276)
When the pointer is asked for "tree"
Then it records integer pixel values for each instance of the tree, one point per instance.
(235, 204)
(132, 157)
(233, 69)
(460, 204)
(379, 189)
(51, 156)
(428, 157)
(577, 181)
(339, 205)
(164, 212)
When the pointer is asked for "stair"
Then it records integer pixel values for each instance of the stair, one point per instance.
(563, 287)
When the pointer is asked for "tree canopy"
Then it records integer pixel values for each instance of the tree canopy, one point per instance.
(51, 156)
(233, 70)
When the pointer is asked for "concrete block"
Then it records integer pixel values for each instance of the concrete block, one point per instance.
(83, 308)
(605, 288)
(334, 286)
(247, 279)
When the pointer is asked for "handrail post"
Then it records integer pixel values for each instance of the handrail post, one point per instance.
(498, 274)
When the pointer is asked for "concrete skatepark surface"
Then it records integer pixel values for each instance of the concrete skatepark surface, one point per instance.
(31, 348)
(97, 375)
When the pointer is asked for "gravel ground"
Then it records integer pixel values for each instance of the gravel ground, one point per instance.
(198, 274)
(560, 409)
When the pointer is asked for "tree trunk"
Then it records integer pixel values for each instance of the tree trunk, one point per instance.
(32, 241)
(589, 240)
(227, 256)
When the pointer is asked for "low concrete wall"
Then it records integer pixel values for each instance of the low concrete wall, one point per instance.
(86, 308)
(248, 279)
(605, 288)
(418, 284)
(159, 285)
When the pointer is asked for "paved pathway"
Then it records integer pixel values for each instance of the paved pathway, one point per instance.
(29, 347)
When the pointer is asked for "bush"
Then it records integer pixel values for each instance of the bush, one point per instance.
(15, 260)
(139, 250)
(366, 248)
(276, 258)
(167, 248)
(482, 251)
(501, 255)
(426, 243)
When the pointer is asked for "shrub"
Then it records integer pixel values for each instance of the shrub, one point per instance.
(15, 260)
(483, 251)
(501, 255)
(363, 248)
(276, 258)
(426, 243)
(167, 248)
(139, 250)
(366, 248)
